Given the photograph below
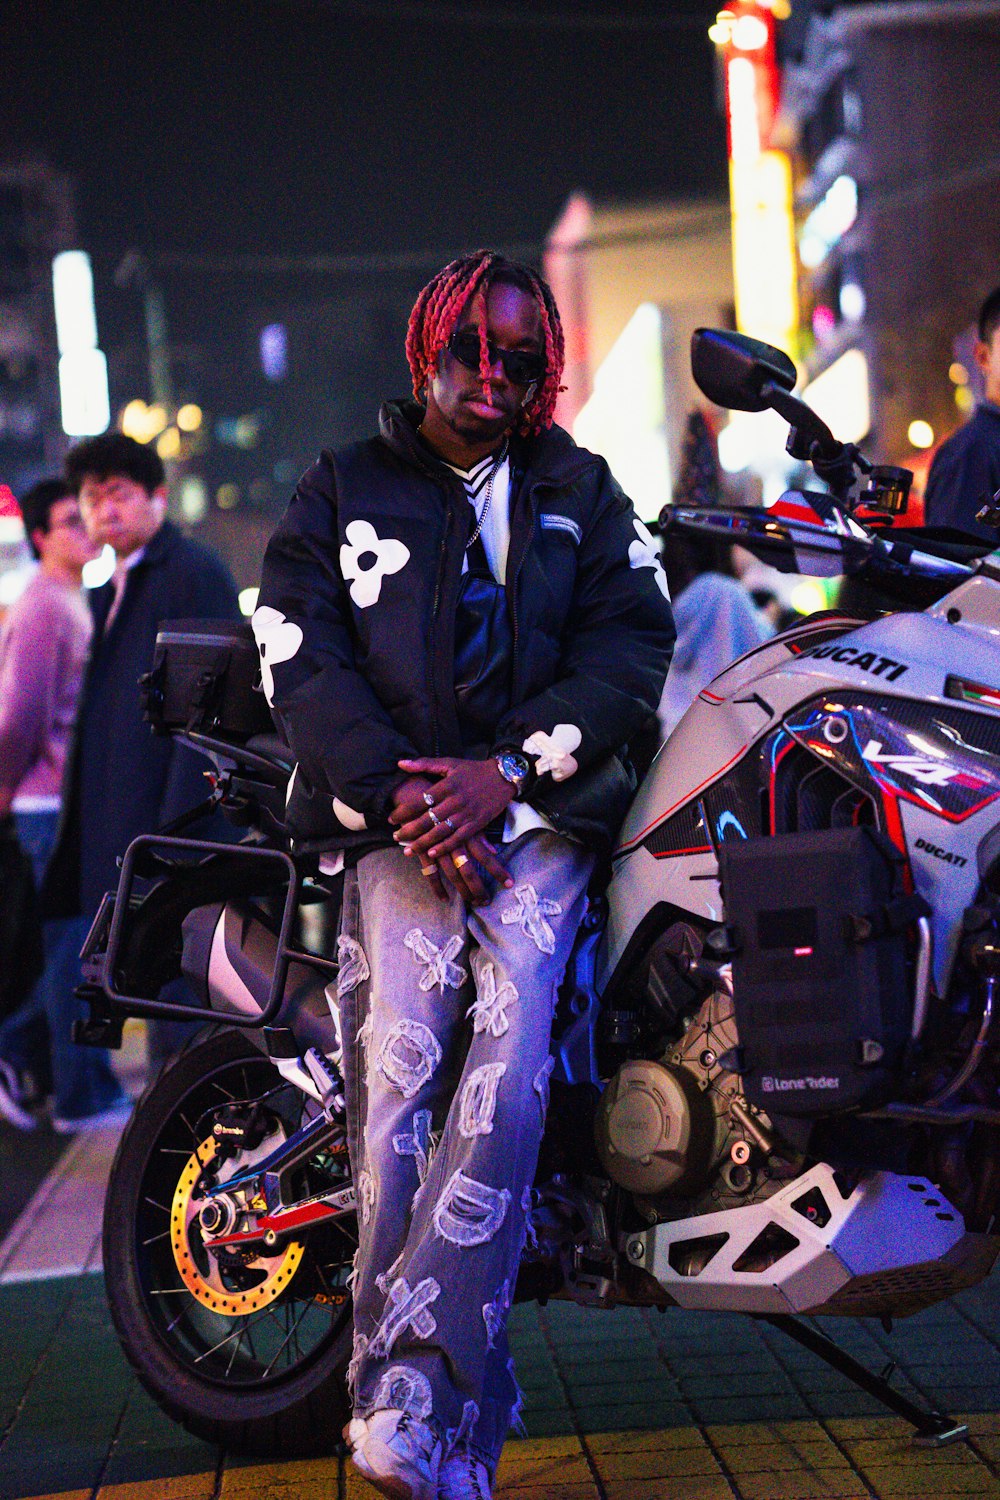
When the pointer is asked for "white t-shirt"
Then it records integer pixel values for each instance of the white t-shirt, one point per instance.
(496, 527)
(495, 536)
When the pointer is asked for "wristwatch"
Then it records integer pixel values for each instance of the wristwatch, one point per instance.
(513, 767)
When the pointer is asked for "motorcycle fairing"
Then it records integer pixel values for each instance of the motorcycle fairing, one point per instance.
(927, 766)
(899, 657)
(943, 760)
(669, 784)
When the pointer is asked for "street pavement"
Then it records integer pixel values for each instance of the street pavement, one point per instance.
(626, 1405)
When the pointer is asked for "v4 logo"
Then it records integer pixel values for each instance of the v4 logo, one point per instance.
(925, 769)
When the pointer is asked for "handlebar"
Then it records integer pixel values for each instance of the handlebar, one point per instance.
(893, 564)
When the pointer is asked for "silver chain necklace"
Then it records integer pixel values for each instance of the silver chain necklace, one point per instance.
(489, 496)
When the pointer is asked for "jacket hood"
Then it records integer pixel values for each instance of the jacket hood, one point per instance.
(551, 455)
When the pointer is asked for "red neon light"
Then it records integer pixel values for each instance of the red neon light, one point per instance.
(756, 21)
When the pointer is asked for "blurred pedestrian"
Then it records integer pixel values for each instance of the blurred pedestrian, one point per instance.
(716, 620)
(715, 617)
(121, 781)
(965, 474)
(43, 652)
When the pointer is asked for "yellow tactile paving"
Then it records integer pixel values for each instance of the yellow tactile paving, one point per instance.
(540, 1464)
(870, 1458)
(299, 1479)
(181, 1487)
(939, 1484)
(701, 1488)
(827, 1484)
(63, 1495)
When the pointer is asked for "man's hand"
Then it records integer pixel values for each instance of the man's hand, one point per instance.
(467, 795)
(464, 868)
(462, 865)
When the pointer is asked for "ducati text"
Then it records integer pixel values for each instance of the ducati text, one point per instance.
(950, 859)
(865, 661)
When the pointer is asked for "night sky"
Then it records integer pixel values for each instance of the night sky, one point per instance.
(225, 128)
(229, 125)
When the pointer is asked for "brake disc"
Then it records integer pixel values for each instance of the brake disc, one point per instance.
(197, 1264)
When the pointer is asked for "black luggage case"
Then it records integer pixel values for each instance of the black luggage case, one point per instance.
(822, 985)
(205, 678)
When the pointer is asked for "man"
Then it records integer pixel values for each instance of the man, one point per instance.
(965, 474)
(462, 625)
(121, 780)
(43, 651)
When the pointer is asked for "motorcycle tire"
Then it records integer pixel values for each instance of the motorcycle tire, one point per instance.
(249, 1381)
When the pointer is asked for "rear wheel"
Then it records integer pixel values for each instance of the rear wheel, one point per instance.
(246, 1348)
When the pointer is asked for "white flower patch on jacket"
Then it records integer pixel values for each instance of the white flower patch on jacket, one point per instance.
(555, 750)
(643, 554)
(277, 640)
(390, 556)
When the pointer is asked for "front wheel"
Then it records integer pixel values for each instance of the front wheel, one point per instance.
(247, 1350)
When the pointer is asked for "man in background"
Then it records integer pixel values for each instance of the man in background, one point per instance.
(43, 652)
(965, 474)
(121, 780)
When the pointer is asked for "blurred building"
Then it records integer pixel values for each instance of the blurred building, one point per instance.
(287, 362)
(36, 223)
(894, 111)
(632, 283)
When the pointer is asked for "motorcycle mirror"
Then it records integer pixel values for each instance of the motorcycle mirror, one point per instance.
(732, 369)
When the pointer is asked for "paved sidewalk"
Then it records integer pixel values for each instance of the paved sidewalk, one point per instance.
(630, 1405)
(624, 1406)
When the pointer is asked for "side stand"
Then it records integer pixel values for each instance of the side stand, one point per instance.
(934, 1429)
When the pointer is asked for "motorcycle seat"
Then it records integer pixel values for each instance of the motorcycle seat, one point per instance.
(274, 749)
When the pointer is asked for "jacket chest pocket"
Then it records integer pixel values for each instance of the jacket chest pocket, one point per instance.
(549, 578)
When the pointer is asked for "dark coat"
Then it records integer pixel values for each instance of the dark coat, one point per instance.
(358, 646)
(120, 779)
(965, 475)
(21, 952)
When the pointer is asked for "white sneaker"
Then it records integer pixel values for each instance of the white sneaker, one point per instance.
(117, 1115)
(463, 1477)
(398, 1455)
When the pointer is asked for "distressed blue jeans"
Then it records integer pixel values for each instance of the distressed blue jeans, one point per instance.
(446, 1016)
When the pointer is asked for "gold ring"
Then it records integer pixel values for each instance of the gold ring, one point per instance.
(460, 860)
(427, 869)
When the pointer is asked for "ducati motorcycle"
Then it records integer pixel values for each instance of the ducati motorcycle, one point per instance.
(776, 1084)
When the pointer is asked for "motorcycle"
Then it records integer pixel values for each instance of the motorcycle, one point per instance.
(776, 1073)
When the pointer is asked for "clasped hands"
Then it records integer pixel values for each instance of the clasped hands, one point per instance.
(439, 814)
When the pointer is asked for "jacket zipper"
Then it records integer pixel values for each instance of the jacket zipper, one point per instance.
(522, 554)
(442, 564)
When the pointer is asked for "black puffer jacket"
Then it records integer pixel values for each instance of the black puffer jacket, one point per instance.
(356, 618)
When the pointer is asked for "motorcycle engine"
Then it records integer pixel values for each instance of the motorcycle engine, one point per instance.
(679, 1125)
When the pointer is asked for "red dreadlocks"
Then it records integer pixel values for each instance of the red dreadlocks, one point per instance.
(437, 309)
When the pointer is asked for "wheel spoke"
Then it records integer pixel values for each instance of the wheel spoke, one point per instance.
(285, 1341)
(238, 1333)
(236, 1350)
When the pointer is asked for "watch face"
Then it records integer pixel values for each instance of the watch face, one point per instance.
(513, 767)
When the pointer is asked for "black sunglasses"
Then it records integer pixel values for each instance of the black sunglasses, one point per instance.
(521, 366)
